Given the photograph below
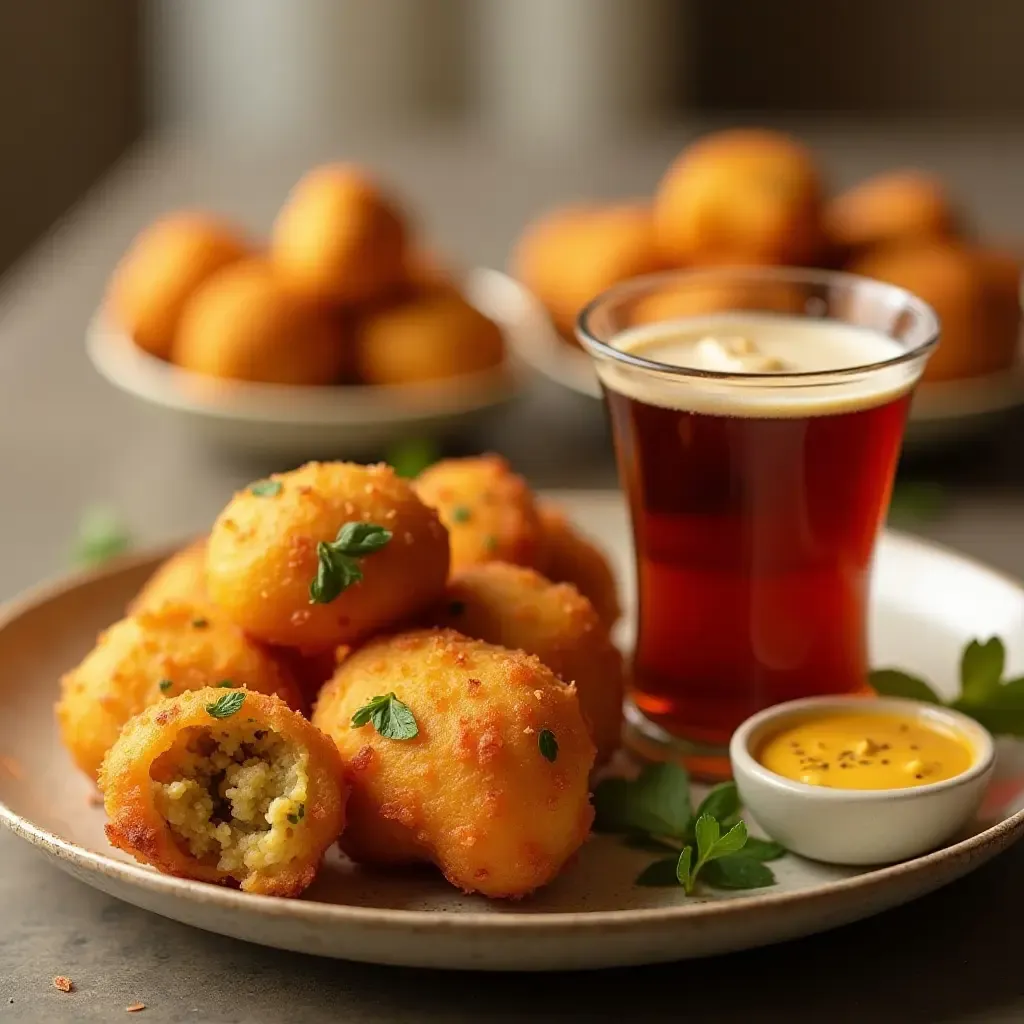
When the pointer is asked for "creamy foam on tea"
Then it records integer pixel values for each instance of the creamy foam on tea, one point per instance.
(767, 343)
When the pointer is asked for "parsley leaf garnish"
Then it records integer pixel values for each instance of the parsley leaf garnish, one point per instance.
(337, 561)
(226, 706)
(101, 536)
(165, 685)
(460, 514)
(548, 744)
(410, 458)
(390, 717)
(266, 488)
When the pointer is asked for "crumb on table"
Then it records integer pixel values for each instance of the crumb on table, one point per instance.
(135, 1008)
(63, 983)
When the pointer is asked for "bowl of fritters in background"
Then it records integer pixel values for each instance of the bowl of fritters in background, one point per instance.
(758, 198)
(338, 335)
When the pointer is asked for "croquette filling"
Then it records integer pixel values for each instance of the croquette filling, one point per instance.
(234, 797)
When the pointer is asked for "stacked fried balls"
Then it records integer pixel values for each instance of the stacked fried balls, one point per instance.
(418, 671)
(752, 197)
(340, 294)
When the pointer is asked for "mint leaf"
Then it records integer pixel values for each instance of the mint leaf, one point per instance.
(890, 682)
(662, 873)
(763, 849)
(706, 831)
(657, 803)
(722, 803)
(390, 717)
(684, 875)
(737, 872)
(732, 842)
(917, 502)
(226, 706)
(981, 668)
(639, 841)
(1000, 721)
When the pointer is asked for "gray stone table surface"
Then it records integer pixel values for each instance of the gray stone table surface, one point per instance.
(67, 440)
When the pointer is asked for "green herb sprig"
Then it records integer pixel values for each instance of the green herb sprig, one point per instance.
(995, 702)
(409, 458)
(548, 744)
(338, 560)
(101, 536)
(266, 488)
(226, 706)
(654, 812)
(390, 717)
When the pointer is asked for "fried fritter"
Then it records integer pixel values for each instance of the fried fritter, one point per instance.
(162, 270)
(953, 281)
(570, 255)
(150, 656)
(493, 789)
(740, 196)
(517, 608)
(268, 547)
(244, 323)
(489, 510)
(181, 578)
(339, 239)
(433, 334)
(570, 557)
(225, 786)
(888, 209)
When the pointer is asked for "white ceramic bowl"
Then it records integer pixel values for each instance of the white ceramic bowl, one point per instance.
(305, 422)
(859, 826)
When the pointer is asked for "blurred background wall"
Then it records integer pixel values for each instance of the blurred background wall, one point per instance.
(70, 104)
(79, 81)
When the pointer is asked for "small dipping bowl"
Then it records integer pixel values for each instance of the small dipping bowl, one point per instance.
(859, 826)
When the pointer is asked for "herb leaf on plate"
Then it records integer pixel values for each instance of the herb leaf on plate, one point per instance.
(101, 536)
(890, 682)
(722, 803)
(763, 849)
(659, 874)
(984, 695)
(981, 669)
(738, 871)
(657, 803)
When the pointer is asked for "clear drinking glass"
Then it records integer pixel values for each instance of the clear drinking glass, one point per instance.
(756, 493)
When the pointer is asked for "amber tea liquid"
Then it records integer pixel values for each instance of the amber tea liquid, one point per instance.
(755, 514)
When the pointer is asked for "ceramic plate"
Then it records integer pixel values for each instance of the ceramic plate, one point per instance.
(927, 603)
(941, 412)
(305, 422)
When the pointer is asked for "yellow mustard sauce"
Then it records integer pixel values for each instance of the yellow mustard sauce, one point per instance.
(865, 751)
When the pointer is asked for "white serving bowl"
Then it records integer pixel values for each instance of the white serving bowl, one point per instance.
(859, 826)
(303, 422)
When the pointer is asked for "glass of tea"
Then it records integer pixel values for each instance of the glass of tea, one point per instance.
(757, 415)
